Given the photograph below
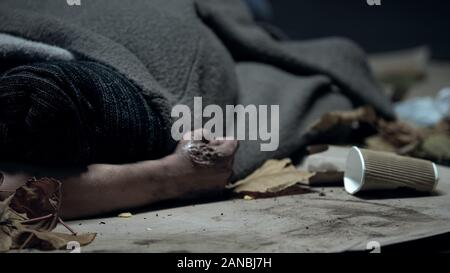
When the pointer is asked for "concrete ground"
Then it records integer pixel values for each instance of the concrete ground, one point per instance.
(329, 220)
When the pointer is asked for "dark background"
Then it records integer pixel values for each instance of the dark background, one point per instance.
(396, 24)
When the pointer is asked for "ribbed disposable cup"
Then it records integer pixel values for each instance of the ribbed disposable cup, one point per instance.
(368, 170)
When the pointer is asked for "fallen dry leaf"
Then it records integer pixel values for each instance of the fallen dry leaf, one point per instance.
(274, 182)
(9, 224)
(5, 241)
(269, 167)
(51, 240)
(399, 134)
(391, 136)
(379, 144)
(272, 178)
(39, 199)
(344, 118)
(28, 217)
(435, 147)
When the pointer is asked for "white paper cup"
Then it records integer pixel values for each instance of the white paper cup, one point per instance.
(368, 170)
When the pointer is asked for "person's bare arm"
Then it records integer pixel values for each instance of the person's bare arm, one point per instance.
(102, 188)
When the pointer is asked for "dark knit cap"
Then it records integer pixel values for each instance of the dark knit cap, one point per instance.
(75, 113)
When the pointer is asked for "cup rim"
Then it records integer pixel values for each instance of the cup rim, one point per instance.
(436, 176)
(354, 175)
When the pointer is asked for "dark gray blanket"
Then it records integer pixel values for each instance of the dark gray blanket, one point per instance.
(177, 49)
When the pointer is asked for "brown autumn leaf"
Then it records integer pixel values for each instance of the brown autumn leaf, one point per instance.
(399, 134)
(10, 224)
(5, 240)
(435, 147)
(273, 183)
(44, 240)
(6, 226)
(392, 135)
(28, 217)
(334, 119)
(378, 143)
(274, 177)
(269, 167)
(396, 136)
(39, 198)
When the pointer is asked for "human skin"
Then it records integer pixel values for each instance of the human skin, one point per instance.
(103, 188)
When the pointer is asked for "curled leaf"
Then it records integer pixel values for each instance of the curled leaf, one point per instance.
(10, 224)
(344, 118)
(274, 178)
(399, 134)
(28, 217)
(44, 240)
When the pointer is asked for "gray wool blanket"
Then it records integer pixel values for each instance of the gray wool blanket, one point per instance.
(175, 50)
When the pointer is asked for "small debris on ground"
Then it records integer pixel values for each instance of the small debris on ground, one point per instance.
(125, 215)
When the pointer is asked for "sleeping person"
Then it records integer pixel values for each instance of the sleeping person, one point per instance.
(87, 92)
